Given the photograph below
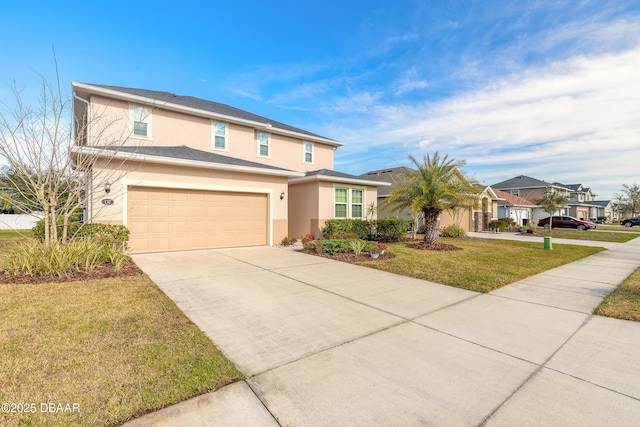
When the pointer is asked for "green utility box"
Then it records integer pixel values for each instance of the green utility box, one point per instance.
(548, 246)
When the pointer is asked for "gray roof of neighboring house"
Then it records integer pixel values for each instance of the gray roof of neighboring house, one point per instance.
(394, 176)
(522, 181)
(603, 203)
(183, 152)
(204, 105)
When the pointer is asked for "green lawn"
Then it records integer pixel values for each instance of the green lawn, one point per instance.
(482, 265)
(624, 302)
(598, 236)
(118, 348)
(13, 235)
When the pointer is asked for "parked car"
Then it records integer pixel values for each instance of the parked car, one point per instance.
(630, 222)
(567, 222)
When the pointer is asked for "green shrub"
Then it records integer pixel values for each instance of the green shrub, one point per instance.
(34, 258)
(340, 226)
(391, 229)
(101, 233)
(357, 246)
(453, 231)
(288, 241)
(337, 246)
(346, 236)
(422, 229)
(105, 234)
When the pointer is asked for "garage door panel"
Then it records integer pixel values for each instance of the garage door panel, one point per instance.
(174, 219)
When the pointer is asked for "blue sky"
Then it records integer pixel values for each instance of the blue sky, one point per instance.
(549, 89)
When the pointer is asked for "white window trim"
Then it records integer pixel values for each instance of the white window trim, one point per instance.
(268, 156)
(213, 136)
(148, 120)
(304, 152)
(349, 202)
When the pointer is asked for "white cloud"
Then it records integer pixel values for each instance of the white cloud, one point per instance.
(570, 121)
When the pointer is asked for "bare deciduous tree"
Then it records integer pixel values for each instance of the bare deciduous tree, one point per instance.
(40, 169)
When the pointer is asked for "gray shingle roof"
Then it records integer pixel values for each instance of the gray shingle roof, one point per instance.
(394, 176)
(521, 181)
(183, 152)
(336, 174)
(204, 105)
(602, 203)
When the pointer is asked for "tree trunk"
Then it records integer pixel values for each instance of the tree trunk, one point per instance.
(432, 232)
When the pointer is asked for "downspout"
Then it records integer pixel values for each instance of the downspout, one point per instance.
(88, 210)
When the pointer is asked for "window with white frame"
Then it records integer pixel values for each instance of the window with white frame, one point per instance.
(341, 202)
(264, 140)
(141, 121)
(515, 192)
(308, 152)
(220, 135)
(356, 203)
(348, 202)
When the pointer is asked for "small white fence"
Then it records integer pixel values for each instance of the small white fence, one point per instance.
(19, 222)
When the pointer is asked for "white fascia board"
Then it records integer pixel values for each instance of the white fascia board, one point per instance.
(340, 180)
(183, 162)
(266, 127)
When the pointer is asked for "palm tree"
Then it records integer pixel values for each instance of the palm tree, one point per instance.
(551, 202)
(438, 184)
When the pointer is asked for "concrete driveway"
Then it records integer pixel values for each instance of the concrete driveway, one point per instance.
(328, 343)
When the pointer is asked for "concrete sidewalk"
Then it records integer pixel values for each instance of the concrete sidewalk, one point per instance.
(524, 238)
(329, 343)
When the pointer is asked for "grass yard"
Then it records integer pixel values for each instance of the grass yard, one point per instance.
(482, 265)
(624, 302)
(598, 236)
(13, 235)
(117, 347)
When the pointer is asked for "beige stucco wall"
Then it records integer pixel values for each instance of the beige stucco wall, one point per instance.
(171, 128)
(312, 203)
(155, 175)
(303, 209)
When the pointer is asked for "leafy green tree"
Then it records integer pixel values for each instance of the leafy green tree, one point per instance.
(438, 184)
(628, 200)
(551, 202)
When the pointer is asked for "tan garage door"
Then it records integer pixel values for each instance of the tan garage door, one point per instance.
(162, 219)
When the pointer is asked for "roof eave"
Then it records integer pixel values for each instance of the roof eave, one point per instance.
(258, 125)
(121, 155)
(342, 180)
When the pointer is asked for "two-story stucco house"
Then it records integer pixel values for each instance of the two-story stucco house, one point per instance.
(186, 173)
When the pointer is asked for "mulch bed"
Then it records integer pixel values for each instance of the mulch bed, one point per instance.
(433, 247)
(103, 272)
(350, 257)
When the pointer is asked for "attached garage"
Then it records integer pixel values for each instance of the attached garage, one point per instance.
(166, 219)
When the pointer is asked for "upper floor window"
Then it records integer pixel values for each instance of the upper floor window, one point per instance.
(515, 192)
(308, 152)
(141, 121)
(264, 140)
(220, 135)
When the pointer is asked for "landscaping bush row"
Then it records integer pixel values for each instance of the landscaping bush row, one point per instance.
(387, 229)
(102, 234)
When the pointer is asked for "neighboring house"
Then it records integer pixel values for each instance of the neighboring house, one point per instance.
(580, 203)
(516, 207)
(475, 219)
(192, 174)
(606, 208)
(533, 189)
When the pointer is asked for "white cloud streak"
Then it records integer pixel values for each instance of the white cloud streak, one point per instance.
(571, 121)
